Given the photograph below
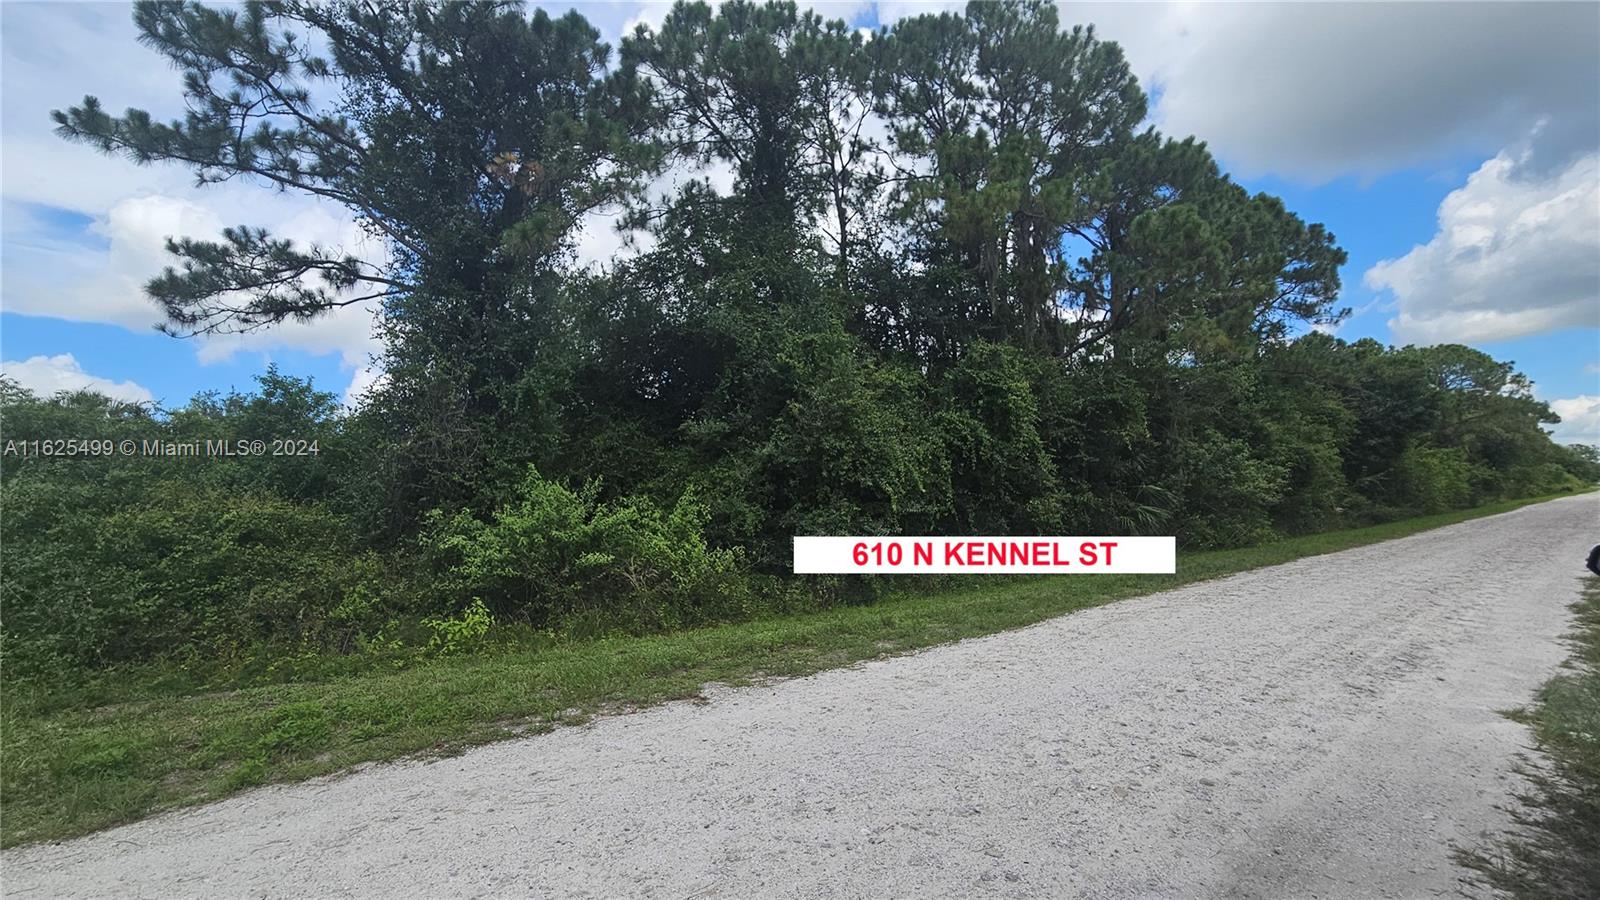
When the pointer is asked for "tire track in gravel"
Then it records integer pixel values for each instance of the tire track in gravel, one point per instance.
(1323, 728)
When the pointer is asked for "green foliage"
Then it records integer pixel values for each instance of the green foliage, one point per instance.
(1229, 493)
(1004, 479)
(763, 87)
(282, 408)
(120, 558)
(458, 633)
(1009, 110)
(1581, 461)
(471, 136)
(1007, 312)
(1434, 479)
(854, 451)
(556, 556)
(177, 572)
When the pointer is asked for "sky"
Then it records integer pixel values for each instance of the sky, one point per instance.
(1452, 148)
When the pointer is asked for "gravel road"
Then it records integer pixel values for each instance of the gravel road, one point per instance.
(1325, 728)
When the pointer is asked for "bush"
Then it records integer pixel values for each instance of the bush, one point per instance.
(559, 557)
(1433, 480)
(173, 572)
(1539, 480)
(853, 452)
(458, 633)
(1227, 493)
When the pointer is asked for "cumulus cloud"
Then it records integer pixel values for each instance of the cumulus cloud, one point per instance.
(1580, 419)
(106, 286)
(1319, 90)
(1516, 253)
(64, 279)
(54, 55)
(49, 375)
(367, 379)
(97, 275)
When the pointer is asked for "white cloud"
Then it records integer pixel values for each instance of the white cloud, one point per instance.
(599, 243)
(48, 375)
(1315, 91)
(650, 15)
(366, 380)
(1516, 253)
(106, 286)
(1319, 90)
(1362, 89)
(66, 280)
(1580, 419)
(56, 53)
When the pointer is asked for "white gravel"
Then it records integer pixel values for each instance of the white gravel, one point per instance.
(1325, 728)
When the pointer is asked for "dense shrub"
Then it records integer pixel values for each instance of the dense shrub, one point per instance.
(854, 451)
(177, 573)
(1228, 493)
(554, 556)
(119, 558)
(1433, 479)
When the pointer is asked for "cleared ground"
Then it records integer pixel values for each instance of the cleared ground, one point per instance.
(1326, 727)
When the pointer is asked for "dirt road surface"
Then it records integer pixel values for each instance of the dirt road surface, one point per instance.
(1325, 728)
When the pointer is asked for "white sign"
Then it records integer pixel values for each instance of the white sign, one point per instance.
(996, 555)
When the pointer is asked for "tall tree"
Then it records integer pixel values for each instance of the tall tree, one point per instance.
(775, 93)
(1004, 116)
(468, 136)
(1172, 242)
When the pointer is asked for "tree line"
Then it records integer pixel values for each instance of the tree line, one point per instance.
(957, 285)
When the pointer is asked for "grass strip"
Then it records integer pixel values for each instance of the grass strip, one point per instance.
(1554, 850)
(67, 770)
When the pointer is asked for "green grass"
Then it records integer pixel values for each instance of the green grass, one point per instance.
(74, 766)
(1555, 849)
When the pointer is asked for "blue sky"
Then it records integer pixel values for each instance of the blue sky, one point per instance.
(1453, 150)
